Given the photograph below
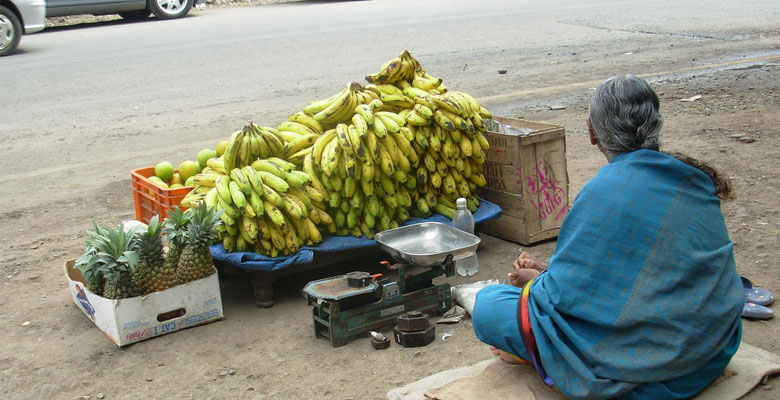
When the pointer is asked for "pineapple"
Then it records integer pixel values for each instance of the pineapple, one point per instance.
(175, 229)
(117, 262)
(149, 247)
(88, 262)
(195, 261)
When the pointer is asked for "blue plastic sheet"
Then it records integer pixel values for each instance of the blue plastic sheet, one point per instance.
(487, 211)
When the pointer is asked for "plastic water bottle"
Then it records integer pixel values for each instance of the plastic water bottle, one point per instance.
(464, 221)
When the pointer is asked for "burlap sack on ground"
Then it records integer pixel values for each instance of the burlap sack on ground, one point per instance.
(496, 379)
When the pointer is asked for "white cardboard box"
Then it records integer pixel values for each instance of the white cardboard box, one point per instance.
(139, 318)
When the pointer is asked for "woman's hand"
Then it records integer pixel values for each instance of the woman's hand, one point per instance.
(526, 268)
(527, 261)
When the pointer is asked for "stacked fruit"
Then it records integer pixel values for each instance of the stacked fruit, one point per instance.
(404, 145)
(268, 206)
(120, 263)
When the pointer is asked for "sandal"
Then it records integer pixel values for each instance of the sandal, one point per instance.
(756, 311)
(758, 296)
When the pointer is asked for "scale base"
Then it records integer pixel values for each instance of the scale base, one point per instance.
(338, 325)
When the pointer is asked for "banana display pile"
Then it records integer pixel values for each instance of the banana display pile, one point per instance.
(402, 146)
(269, 207)
(361, 161)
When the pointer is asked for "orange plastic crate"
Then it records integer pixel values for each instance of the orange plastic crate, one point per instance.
(150, 199)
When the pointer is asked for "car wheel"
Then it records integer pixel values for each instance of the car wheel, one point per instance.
(135, 15)
(170, 9)
(10, 31)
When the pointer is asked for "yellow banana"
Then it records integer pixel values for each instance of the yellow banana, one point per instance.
(294, 180)
(271, 196)
(277, 183)
(415, 119)
(320, 143)
(248, 229)
(388, 73)
(375, 105)
(231, 151)
(360, 124)
(390, 123)
(300, 143)
(424, 111)
(228, 208)
(356, 143)
(217, 164)
(274, 215)
(401, 100)
(223, 188)
(330, 158)
(237, 196)
(307, 120)
(209, 180)
(237, 175)
(465, 147)
(297, 158)
(446, 104)
(243, 153)
(308, 167)
(318, 105)
(277, 239)
(484, 113)
(364, 110)
(257, 203)
(212, 198)
(443, 121)
(314, 233)
(343, 138)
(269, 166)
(424, 83)
(379, 127)
(275, 144)
(392, 148)
(483, 142)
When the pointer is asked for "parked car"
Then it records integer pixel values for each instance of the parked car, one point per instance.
(127, 9)
(19, 17)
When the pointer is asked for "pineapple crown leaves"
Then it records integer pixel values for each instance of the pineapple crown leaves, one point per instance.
(148, 243)
(88, 262)
(114, 255)
(202, 231)
(175, 226)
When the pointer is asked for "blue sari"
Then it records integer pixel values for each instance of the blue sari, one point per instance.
(641, 299)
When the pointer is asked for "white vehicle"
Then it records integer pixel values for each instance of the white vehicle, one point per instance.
(18, 17)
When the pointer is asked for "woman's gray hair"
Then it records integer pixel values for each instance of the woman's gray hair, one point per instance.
(624, 115)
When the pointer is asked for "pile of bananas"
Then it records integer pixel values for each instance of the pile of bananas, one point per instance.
(361, 161)
(269, 207)
(402, 146)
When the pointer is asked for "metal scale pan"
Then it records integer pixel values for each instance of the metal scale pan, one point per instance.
(427, 244)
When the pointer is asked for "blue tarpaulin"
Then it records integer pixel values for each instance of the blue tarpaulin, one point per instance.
(248, 260)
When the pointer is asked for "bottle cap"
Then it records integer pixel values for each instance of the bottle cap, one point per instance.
(461, 202)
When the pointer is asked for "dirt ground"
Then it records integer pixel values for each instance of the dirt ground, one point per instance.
(272, 353)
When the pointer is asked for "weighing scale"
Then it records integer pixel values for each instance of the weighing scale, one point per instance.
(356, 303)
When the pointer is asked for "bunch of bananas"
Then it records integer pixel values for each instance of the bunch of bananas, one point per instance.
(269, 207)
(402, 146)
(251, 143)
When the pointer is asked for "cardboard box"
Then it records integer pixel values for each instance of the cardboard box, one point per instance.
(527, 177)
(127, 321)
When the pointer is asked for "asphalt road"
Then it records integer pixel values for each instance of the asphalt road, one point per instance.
(94, 101)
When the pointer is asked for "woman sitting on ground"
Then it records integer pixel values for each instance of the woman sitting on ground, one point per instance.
(641, 299)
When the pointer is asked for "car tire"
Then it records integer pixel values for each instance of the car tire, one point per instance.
(136, 15)
(10, 31)
(170, 9)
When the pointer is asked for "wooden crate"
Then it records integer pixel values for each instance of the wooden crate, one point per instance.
(527, 177)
